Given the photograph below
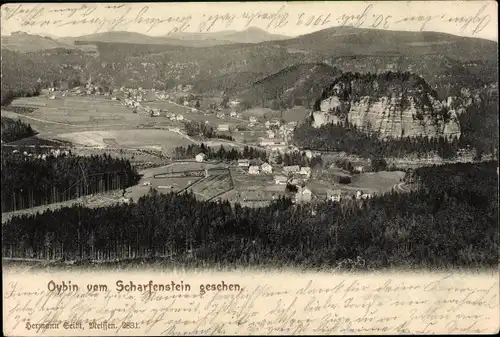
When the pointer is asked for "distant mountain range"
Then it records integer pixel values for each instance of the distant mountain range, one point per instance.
(330, 42)
(27, 43)
(140, 39)
(249, 35)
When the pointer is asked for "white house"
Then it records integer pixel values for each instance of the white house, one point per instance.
(180, 117)
(253, 170)
(186, 103)
(266, 168)
(359, 169)
(223, 127)
(233, 114)
(303, 195)
(253, 119)
(280, 180)
(243, 163)
(200, 157)
(305, 171)
(270, 134)
(334, 195)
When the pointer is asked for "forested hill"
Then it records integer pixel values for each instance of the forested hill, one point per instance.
(351, 87)
(439, 226)
(348, 41)
(29, 181)
(24, 74)
(299, 84)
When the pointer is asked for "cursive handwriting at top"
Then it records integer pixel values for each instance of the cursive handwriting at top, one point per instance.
(137, 17)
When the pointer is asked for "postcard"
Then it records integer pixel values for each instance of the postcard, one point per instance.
(250, 168)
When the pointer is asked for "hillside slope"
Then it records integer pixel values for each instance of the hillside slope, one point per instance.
(299, 84)
(344, 41)
(27, 43)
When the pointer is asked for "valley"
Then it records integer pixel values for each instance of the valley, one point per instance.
(250, 147)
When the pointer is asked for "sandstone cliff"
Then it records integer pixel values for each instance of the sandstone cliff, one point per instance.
(392, 104)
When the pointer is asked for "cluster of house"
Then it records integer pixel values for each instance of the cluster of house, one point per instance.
(304, 194)
(174, 117)
(232, 114)
(255, 169)
(55, 153)
(294, 174)
(361, 195)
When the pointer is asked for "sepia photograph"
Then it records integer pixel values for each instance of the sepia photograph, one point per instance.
(333, 165)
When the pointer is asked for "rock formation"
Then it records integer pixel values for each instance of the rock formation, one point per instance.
(404, 108)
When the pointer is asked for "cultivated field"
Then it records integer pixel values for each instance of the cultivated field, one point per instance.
(160, 140)
(211, 186)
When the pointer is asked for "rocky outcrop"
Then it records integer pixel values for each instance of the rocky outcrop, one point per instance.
(386, 117)
(403, 110)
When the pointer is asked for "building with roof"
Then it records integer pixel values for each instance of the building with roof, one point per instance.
(200, 157)
(304, 194)
(305, 171)
(253, 170)
(266, 168)
(334, 195)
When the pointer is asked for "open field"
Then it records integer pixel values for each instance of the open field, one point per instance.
(252, 190)
(377, 182)
(211, 186)
(160, 140)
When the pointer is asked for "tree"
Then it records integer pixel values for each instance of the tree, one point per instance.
(378, 164)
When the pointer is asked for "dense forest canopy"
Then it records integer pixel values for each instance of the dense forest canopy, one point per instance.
(29, 181)
(350, 139)
(220, 153)
(439, 225)
(25, 74)
(13, 130)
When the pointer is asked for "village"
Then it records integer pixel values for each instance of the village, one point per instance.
(250, 182)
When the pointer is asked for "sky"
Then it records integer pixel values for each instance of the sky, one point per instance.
(464, 18)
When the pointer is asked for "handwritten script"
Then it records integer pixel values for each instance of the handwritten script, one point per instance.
(266, 304)
(101, 18)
